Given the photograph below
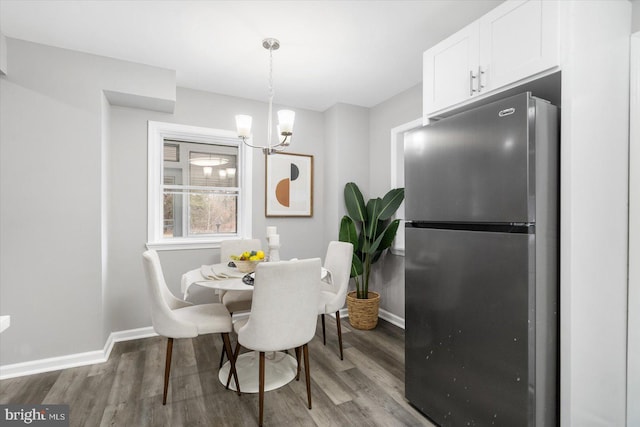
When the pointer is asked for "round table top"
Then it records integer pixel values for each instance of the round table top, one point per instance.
(216, 276)
(221, 276)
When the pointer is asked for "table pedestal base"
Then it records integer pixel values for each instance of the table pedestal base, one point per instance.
(280, 369)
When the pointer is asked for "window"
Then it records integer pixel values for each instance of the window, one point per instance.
(199, 189)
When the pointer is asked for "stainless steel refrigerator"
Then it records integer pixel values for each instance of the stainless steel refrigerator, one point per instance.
(481, 265)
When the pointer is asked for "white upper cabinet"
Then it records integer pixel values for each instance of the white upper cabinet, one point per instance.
(450, 69)
(518, 39)
(514, 41)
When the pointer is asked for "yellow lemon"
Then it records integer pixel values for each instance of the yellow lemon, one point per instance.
(254, 258)
(246, 255)
(260, 255)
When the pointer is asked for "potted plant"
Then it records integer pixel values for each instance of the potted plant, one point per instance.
(370, 229)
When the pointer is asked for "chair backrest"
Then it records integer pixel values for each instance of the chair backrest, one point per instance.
(284, 310)
(163, 302)
(236, 247)
(338, 262)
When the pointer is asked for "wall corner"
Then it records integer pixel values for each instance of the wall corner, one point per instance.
(3, 55)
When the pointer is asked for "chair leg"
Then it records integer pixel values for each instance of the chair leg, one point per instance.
(261, 388)
(298, 360)
(305, 350)
(167, 369)
(222, 353)
(234, 356)
(324, 337)
(232, 361)
(339, 333)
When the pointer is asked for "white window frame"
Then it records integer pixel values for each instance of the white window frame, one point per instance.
(397, 177)
(158, 132)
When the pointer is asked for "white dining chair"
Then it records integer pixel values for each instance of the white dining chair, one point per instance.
(236, 301)
(333, 295)
(283, 314)
(174, 318)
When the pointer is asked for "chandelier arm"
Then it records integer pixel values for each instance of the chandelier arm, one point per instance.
(283, 142)
(274, 149)
(262, 147)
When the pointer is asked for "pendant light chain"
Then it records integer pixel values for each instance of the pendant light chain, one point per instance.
(271, 94)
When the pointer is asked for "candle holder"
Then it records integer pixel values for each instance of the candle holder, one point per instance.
(273, 241)
(274, 252)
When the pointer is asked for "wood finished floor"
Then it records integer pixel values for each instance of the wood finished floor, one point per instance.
(365, 389)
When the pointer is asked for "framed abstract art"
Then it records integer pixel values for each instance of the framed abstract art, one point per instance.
(288, 185)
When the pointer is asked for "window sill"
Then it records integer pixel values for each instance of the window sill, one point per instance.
(183, 245)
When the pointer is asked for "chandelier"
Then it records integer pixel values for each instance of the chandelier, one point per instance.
(285, 117)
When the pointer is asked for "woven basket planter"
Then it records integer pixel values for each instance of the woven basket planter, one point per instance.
(363, 313)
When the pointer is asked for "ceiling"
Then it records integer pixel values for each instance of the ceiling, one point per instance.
(355, 52)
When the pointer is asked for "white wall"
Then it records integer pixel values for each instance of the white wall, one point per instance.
(635, 16)
(594, 196)
(51, 133)
(333, 206)
(3, 54)
(633, 355)
(388, 273)
(347, 160)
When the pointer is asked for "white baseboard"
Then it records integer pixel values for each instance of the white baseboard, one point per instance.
(73, 360)
(391, 318)
(101, 356)
(51, 364)
(383, 314)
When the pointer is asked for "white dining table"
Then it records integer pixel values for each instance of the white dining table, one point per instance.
(280, 367)
(216, 276)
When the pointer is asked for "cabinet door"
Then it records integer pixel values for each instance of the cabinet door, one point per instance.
(517, 39)
(448, 69)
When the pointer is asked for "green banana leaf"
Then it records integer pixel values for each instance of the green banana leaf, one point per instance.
(390, 203)
(348, 232)
(355, 202)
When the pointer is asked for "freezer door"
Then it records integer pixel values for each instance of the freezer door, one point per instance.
(477, 166)
(468, 326)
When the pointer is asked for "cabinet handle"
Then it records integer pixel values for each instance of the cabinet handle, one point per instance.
(471, 78)
(480, 73)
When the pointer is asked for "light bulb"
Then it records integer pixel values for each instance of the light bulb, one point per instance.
(243, 125)
(285, 119)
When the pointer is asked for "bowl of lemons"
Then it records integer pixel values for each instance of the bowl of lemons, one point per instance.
(247, 261)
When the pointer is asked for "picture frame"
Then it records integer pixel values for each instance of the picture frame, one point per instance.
(288, 185)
